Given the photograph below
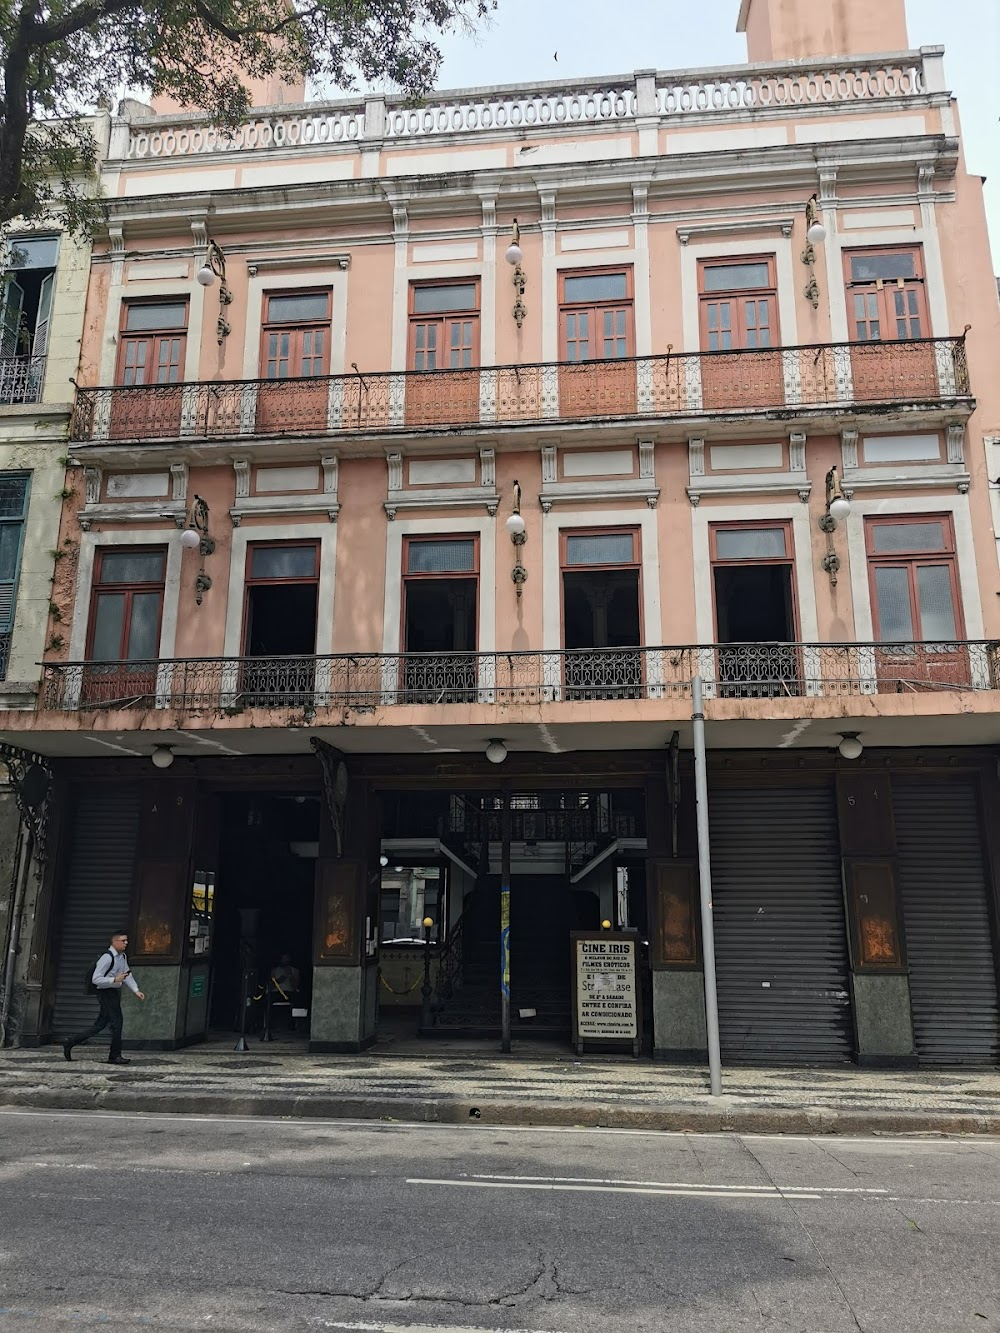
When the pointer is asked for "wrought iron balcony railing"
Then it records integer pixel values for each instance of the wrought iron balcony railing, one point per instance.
(21, 379)
(366, 682)
(836, 376)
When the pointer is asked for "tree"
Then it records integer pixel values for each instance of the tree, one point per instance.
(63, 59)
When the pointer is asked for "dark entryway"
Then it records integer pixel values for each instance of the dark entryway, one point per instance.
(752, 575)
(264, 899)
(279, 632)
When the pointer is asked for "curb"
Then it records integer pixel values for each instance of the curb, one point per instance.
(453, 1111)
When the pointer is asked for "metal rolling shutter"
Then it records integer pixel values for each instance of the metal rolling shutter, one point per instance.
(942, 881)
(97, 893)
(780, 935)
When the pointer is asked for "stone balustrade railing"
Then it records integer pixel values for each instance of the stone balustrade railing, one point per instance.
(645, 96)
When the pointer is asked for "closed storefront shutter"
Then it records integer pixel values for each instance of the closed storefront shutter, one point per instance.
(780, 935)
(96, 895)
(942, 881)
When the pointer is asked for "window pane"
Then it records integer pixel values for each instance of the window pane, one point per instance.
(441, 557)
(10, 542)
(750, 543)
(595, 287)
(132, 566)
(868, 268)
(892, 538)
(892, 595)
(283, 562)
(33, 252)
(13, 493)
(439, 300)
(937, 611)
(603, 548)
(298, 309)
(109, 616)
(156, 315)
(734, 277)
(144, 627)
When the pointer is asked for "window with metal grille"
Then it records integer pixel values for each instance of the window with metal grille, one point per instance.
(13, 510)
(449, 556)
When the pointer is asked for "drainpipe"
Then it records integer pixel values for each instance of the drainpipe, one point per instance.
(22, 868)
(705, 887)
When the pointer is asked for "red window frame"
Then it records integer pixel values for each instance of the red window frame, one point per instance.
(443, 325)
(912, 561)
(250, 582)
(423, 575)
(887, 302)
(742, 326)
(715, 560)
(161, 350)
(635, 563)
(129, 590)
(308, 341)
(595, 312)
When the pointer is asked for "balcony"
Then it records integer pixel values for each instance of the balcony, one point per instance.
(367, 682)
(826, 377)
(21, 379)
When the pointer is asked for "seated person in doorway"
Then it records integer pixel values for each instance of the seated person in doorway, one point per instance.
(284, 982)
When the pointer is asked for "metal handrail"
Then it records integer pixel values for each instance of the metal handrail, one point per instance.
(366, 682)
(814, 375)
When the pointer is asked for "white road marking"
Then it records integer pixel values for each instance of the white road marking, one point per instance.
(684, 1184)
(415, 1328)
(696, 1192)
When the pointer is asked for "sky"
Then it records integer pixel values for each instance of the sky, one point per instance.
(532, 40)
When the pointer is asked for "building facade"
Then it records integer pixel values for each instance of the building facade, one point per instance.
(423, 457)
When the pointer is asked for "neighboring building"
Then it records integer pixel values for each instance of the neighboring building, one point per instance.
(44, 275)
(291, 523)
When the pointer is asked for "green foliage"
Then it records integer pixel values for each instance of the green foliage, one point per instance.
(63, 59)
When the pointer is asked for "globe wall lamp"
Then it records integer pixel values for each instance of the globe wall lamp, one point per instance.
(163, 756)
(517, 528)
(496, 751)
(815, 235)
(838, 507)
(215, 267)
(514, 257)
(196, 537)
(850, 747)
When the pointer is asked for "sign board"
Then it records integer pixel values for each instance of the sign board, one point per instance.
(605, 989)
(197, 984)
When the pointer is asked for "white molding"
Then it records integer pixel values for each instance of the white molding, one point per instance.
(906, 477)
(991, 449)
(723, 229)
(326, 535)
(968, 578)
(488, 574)
(89, 544)
(804, 575)
(602, 488)
(553, 524)
(749, 483)
(132, 511)
(785, 274)
(455, 497)
(290, 505)
(323, 275)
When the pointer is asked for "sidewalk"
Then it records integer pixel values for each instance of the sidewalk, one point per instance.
(455, 1083)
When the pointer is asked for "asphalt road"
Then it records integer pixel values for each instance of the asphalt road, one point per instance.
(130, 1222)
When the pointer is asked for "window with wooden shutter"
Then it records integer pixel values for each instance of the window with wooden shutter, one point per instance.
(13, 510)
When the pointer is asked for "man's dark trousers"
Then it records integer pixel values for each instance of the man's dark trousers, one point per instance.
(110, 1000)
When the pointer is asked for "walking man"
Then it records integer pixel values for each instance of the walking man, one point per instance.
(110, 974)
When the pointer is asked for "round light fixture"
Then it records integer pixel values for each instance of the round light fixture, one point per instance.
(816, 234)
(840, 508)
(514, 254)
(496, 752)
(605, 924)
(515, 525)
(163, 756)
(206, 276)
(850, 747)
(383, 861)
(428, 922)
(189, 539)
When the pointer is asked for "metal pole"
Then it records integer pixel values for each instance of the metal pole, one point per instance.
(425, 989)
(705, 882)
(22, 869)
(505, 924)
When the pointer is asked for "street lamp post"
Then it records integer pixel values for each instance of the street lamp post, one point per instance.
(425, 989)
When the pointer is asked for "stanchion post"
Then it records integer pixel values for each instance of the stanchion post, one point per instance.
(425, 989)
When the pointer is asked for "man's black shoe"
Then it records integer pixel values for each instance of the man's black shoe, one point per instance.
(68, 1050)
(119, 1060)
